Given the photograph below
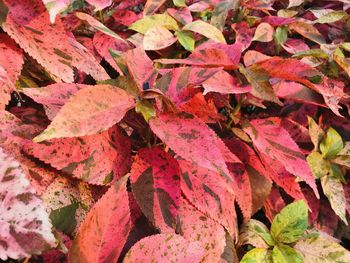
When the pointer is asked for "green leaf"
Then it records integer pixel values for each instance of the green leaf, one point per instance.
(321, 250)
(146, 109)
(331, 144)
(206, 30)
(257, 255)
(63, 219)
(179, 3)
(3, 12)
(333, 189)
(319, 166)
(285, 254)
(315, 132)
(186, 40)
(281, 35)
(331, 17)
(290, 224)
(254, 233)
(148, 22)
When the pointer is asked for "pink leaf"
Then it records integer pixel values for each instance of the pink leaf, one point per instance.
(100, 4)
(155, 178)
(104, 232)
(152, 6)
(209, 193)
(193, 140)
(125, 17)
(244, 34)
(28, 24)
(90, 110)
(165, 248)
(275, 142)
(195, 226)
(96, 159)
(22, 214)
(182, 15)
(157, 38)
(211, 55)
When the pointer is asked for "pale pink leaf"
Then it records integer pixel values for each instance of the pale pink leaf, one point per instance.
(165, 248)
(100, 4)
(193, 140)
(103, 234)
(22, 216)
(54, 7)
(155, 182)
(263, 33)
(29, 25)
(157, 38)
(152, 6)
(91, 110)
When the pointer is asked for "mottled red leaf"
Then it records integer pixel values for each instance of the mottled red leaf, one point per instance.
(22, 214)
(155, 182)
(210, 55)
(126, 17)
(89, 111)
(276, 143)
(11, 61)
(182, 15)
(193, 140)
(244, 34)
(165, 248)
(96, 159)
(273, 204)
(210, 194)
(29, 25)
(102, 235)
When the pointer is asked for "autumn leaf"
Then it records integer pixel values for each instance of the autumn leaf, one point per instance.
(106, 227)
(81, 115)
(23, 216)
(155, 182)
(206, 30)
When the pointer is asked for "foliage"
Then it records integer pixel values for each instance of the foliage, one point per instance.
(161, 131)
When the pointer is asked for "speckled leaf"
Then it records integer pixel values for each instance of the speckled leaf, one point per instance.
(96, 159)
(321, 249)
(205, 29)
(193, 140)
(165, 248)
(209, 194)
(290, 224)
(89, 111)
(102, 235)
(22, 216)
(11, 61)
(244, 34)
(275, 142)
(54, 96)
(195, 226)
(257, 255)
(333, 189)
(28, 24)
(210, 55)
(155, 182)
(285, 254)
(67, 203)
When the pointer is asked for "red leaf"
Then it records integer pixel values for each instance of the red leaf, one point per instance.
(204, 110)
(11, 61)
(89, 111)
(155, 178)
(211, 55)
(104, 43)
(275, 142)
(103, 233)
(193, 140)
(273, 204)
(29, 25)
(125, 17)
(182, 15)
(141, 74)
(165, 248)
(96, 159)
(244, 34)
(210, 194)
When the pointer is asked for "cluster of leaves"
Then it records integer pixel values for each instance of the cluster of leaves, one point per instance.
(152, 131)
